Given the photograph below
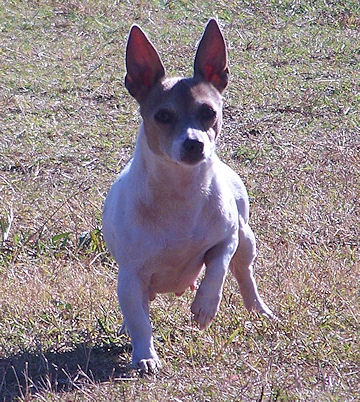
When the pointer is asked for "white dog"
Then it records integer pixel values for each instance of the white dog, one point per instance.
(176, 208)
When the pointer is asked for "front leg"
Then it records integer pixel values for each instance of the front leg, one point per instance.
(208, 296)
(134, 303)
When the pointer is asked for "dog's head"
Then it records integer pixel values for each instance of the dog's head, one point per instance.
(182, 116)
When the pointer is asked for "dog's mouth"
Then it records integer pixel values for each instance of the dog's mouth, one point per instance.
(192, 160)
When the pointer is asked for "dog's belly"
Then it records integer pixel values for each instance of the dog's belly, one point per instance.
(175, 271)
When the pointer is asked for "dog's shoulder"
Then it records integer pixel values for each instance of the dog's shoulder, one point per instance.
(232, 181)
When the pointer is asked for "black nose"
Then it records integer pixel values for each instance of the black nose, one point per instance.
(192, 151)
(193, 146)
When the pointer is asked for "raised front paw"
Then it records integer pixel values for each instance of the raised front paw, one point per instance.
(204, 309)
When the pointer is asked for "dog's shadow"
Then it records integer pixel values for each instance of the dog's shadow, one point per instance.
(29, 373)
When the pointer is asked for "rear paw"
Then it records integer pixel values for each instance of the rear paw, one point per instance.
(270, 315)
(123, 329)
(260, 307)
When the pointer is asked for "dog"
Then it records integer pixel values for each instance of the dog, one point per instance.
(176, 208)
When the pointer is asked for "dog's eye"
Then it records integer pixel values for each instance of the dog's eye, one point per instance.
(164, 116)
(207, 113)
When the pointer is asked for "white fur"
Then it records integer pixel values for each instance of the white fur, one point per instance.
(211, 213)
(165, 220)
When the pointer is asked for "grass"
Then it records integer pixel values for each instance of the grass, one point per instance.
(291, 130)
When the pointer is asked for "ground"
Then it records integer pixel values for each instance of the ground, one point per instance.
(291, 130)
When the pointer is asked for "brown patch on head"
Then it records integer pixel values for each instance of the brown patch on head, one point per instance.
(175, 104)
(206, 94)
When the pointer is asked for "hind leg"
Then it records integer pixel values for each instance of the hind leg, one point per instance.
(241, 267)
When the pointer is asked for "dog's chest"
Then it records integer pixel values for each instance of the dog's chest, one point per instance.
(176, 255)
(177, 236)
(177, 262)
(179, 241)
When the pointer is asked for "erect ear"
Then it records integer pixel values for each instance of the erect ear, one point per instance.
(210, 60)
(143, 64)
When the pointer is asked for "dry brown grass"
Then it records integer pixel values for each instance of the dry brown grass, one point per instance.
(291, 131)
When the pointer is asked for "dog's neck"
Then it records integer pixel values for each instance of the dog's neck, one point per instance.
(162, 175)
